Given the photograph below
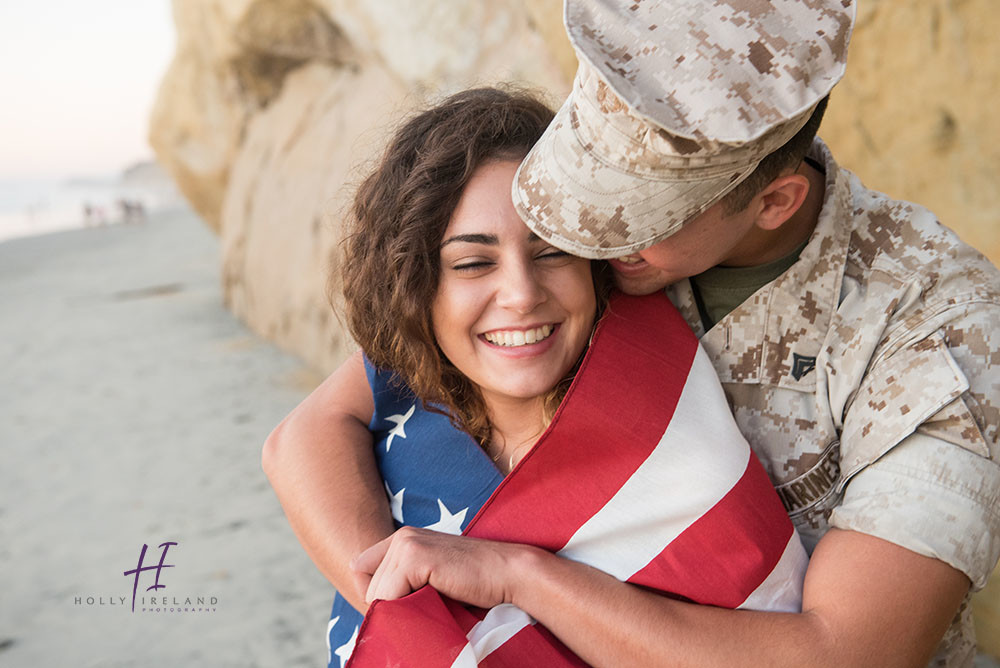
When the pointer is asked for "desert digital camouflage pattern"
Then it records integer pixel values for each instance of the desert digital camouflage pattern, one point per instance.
(866, 380)
(602, 182)
(674, 104)
(727, 70)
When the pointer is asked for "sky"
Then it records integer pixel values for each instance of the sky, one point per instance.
(77, 81)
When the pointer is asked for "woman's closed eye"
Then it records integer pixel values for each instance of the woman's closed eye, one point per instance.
(552, 254)
(471, 265)
(476, 264)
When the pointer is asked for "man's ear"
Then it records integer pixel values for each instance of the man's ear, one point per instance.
(780, 200)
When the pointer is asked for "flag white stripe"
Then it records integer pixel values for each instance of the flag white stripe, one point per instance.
(781, 591)
(673, 488)
(500, 625)
(466, 658)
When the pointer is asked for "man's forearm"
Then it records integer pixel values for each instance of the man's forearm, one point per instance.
(333, 500)
(627, 625)
(867, 603)
(320, 463)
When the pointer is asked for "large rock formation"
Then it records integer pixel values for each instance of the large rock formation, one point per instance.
(271, 108)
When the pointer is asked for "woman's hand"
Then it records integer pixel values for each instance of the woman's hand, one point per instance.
(471, 570)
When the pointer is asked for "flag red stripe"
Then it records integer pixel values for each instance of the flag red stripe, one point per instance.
(736, 545)
(535, 642)
(423, 624)
(535, 507)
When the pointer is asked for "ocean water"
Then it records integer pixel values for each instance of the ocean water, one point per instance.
(40, 206)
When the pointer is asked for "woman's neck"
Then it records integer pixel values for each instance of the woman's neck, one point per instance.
(516, 425)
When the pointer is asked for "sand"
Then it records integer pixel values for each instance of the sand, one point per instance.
(133, 407)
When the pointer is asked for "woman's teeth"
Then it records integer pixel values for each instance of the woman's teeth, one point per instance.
(518, 337)
(630, 259)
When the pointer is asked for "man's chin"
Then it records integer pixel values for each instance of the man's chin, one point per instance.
(638, 286)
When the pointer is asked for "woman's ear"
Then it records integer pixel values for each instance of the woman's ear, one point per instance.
(780, 200)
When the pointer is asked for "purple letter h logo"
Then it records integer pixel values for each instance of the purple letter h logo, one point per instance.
(140, 568)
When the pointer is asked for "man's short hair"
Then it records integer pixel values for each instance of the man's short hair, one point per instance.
(790, 154)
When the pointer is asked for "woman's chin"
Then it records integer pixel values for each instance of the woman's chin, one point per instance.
(520, 389)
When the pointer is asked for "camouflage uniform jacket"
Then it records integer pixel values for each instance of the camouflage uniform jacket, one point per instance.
(867, 380)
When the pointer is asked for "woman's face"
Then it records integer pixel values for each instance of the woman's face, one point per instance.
(511, 312)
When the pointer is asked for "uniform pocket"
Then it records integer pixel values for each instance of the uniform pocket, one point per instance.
(896, 397)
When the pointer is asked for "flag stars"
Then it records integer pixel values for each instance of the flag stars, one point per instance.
(449, 523)
(344, 651)
(398, 430)
(396, 503)
(329, 628)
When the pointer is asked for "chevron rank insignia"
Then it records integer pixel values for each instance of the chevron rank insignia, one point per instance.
(802, 365)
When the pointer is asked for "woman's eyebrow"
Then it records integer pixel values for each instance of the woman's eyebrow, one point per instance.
(485, 239)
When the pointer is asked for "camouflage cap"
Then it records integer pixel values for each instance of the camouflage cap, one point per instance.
(674, 104)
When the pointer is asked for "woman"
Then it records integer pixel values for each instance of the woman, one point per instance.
(472, 329)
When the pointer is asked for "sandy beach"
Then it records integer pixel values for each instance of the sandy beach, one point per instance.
(133, 411)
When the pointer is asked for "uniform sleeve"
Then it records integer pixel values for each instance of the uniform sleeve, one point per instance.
(933, 498)
(919, 453)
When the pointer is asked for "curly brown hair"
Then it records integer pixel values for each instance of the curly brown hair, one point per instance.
(390, 262)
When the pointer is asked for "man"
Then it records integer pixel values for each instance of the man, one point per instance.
(855, 337)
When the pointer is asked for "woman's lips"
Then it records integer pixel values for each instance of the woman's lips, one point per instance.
(519, 350)
(513, 338)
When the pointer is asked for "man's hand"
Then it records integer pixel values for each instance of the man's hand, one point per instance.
(475, 571)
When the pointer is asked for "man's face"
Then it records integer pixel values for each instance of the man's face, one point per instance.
(710, 239)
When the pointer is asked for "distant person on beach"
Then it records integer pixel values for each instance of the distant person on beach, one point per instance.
(856, 339)
(132, 211)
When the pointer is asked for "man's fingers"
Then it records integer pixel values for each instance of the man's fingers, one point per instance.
(368, 561)
(467, 569)
(389, 584)
(390, 563)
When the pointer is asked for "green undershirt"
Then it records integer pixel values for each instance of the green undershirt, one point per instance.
(719, 290)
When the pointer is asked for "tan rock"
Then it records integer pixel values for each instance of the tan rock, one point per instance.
(445, 46)
(231, 58)
(276, 36)
(914, 115)
(199, 111)
(288, 188)
(547, 18)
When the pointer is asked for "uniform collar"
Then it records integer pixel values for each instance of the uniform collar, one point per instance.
(776, 335)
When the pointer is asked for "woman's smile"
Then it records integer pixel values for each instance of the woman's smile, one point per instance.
(517, 338)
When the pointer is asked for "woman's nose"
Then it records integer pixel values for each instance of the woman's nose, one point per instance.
(520, 289)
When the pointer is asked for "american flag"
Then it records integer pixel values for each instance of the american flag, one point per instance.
(642, 474)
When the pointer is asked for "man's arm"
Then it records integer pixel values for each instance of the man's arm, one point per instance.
(320, 462)
(867, 602)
